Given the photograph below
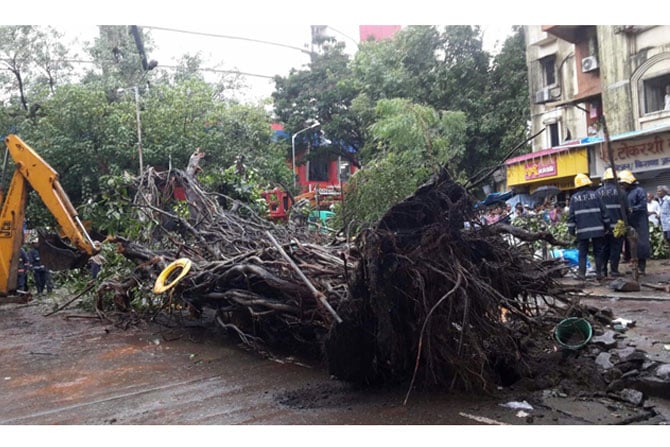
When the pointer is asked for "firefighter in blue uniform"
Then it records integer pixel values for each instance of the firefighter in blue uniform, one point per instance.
(589, 221)
(614, 198)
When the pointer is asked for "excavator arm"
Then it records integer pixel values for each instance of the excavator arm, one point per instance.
(32, 170)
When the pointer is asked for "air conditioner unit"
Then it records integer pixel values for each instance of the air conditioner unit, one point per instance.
(589, 63)
(542, 96)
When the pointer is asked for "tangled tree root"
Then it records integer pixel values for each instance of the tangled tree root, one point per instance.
(429, 298)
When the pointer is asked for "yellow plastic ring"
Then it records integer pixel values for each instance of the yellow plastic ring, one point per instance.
(182, 263)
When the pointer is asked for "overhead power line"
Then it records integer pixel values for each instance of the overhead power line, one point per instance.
(217, 70)
(266, 42)
(172, 67)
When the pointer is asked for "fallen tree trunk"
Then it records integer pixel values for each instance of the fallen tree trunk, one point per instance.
(420, 298)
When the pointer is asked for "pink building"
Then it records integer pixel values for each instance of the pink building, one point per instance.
(377, 32)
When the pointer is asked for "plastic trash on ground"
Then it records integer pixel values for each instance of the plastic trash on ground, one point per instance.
(515, 405)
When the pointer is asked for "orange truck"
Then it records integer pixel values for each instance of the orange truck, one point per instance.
(280, 202)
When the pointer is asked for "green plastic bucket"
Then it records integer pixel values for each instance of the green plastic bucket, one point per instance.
(573, 333)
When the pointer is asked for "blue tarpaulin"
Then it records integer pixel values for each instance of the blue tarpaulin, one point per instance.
(495, 197)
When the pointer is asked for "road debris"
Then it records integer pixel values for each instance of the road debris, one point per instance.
(516, 405)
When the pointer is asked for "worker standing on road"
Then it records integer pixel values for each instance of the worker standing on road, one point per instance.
(588, 220)
(638, 217)
(613, 197)
(39, 270)
(24, 267)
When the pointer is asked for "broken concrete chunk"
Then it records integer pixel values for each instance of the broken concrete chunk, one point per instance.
(632, 355)
(607, 339)
(654, 386)
(624, 285)
(623, 353)
(603, 360)
(663, 372)
(635, 397)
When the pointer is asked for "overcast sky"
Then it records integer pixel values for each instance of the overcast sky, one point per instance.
(287, 23)
(261, 51)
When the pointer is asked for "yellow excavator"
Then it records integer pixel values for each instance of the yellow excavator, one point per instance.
(32, 171)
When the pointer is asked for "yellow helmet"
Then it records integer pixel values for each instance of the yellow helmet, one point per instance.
(608, 174)
(626, 176)
(582, 180)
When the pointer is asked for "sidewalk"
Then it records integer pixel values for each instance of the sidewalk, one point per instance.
(648, 308)
(657, 275)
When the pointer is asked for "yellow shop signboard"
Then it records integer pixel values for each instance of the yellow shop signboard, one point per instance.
(544, 166)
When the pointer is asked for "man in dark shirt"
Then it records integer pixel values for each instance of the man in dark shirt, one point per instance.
(39, 270)
(638, 217)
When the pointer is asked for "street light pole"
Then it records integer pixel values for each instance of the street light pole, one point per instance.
(136, 91)
(316, 123)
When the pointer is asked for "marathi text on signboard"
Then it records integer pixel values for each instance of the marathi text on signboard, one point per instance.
(641, 154)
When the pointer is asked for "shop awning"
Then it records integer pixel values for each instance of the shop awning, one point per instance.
(637, 133)
(551, 151)
(557, 165)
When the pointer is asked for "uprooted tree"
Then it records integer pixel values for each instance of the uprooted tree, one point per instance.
(420, 297)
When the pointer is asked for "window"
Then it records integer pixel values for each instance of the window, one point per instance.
(548, 65)
(344, 171)
(318, 168)
(554, 137)
(593, 45)
(653, 93)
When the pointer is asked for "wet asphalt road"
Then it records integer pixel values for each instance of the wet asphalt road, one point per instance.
(67, 370)
(70, 368)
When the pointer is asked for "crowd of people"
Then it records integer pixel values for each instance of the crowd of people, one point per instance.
(549, 212)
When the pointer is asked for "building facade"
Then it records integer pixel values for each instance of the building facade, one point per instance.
(579, 74)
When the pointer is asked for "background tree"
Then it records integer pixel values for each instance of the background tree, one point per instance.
(324, 92)
(508, 117)
(447, 70)
(87, 130)
(118, 61)
(402, 67)
(32, 57)
(412, 141)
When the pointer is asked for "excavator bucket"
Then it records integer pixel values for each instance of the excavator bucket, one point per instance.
(57, 255)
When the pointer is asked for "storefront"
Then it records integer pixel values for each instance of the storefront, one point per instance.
(550, 167)
(645, 152)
